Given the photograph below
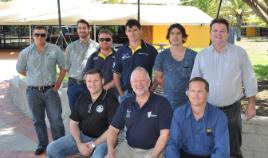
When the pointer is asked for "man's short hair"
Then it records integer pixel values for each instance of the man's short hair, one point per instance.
(139, 68)
(40, 27)
(133, 22)
(220, 21)
(106, 31)
(179, 27)
(94, 71)
(200, 79)
(83, 21)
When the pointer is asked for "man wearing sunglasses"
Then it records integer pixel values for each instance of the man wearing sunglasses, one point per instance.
(88, 122)
(103, 59)
(38, 63)
(77, 54)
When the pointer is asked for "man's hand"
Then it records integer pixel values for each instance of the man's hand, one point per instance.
(56, 86)
(110, 154)
(84, 149)
(250, 112)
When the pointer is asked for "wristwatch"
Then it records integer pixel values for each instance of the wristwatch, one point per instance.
(93, 146)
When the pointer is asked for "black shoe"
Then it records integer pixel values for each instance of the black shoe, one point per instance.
(39, 151)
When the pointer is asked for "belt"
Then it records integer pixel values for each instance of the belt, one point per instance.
(40, 88)
(229, 106)
(73, 80)
(187, 155)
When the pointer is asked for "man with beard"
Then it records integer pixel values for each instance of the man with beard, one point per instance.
(77, 54)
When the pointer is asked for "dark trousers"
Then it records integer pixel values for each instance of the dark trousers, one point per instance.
(74, 91)
(233, 113)
(187, 155)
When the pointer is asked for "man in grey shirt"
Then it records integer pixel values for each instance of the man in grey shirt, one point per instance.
(38, 63)
(77, 54)
(227, 69)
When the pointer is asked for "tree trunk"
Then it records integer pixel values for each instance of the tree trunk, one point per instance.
(260, 8)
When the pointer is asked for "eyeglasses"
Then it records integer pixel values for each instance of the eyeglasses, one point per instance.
(40, 35)
(105, 39)
(89, 108)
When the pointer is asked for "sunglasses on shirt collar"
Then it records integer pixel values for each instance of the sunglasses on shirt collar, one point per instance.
(40, 35)
(105, 39)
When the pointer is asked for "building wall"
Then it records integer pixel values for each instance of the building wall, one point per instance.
(251, 31)
(198, 36)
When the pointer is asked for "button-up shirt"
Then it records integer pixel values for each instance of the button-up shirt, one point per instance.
(226, 72)
(41, 67)
(207, 136)
(77, 54)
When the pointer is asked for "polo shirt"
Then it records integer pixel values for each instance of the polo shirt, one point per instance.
(41, 67)
(143, 124)
(126, 61)
(94, 117)
(96, 60)
(207, 136)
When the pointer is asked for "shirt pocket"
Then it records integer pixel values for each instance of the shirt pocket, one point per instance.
(187, 69)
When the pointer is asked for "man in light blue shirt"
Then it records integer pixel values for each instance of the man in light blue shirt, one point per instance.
(38, 63)
(77, 54)
(229, 72)
(198, 129)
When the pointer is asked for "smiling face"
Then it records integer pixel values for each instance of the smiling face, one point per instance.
(219, 34)
(83, 30)
(197, 93)
(140, 82)
(39, 36)
(94, 83)
(105, 41)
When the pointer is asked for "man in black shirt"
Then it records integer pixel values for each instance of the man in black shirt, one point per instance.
(88, 123)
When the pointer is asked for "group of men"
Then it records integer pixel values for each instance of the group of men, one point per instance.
(111, 95)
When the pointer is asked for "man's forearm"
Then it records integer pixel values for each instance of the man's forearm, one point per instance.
(102, 138)
(75, 132)
(112, 138)
(161, 143)
(109, 85)
(61, 75)
(118, 84)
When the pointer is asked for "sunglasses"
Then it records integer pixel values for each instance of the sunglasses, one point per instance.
(40, 35)
(105, 39)
(90, 108)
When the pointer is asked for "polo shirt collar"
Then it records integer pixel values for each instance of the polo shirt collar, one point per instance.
(101, 97)
(145, 104)
(189, 111)
(134, 50)
(103, 56)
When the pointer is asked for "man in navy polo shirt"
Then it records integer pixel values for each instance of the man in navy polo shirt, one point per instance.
(135, 53)
(103, 59)
(147, 118)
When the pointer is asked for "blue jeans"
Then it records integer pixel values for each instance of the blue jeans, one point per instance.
(126, 95)
(45, 101)
(74, 91)
(66, 146)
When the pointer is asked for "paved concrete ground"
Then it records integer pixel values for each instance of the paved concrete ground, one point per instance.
(17, 135)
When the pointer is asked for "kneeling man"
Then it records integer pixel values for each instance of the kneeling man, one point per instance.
(198, 129)
(88, 122)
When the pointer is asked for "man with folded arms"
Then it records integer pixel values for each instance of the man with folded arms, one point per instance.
(38, 63)
(198, 129)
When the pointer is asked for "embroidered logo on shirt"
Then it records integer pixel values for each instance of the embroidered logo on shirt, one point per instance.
(99, 108)
(125, 56)
(150, 114)
(95, 58)
(128, 113)
(141, 53)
